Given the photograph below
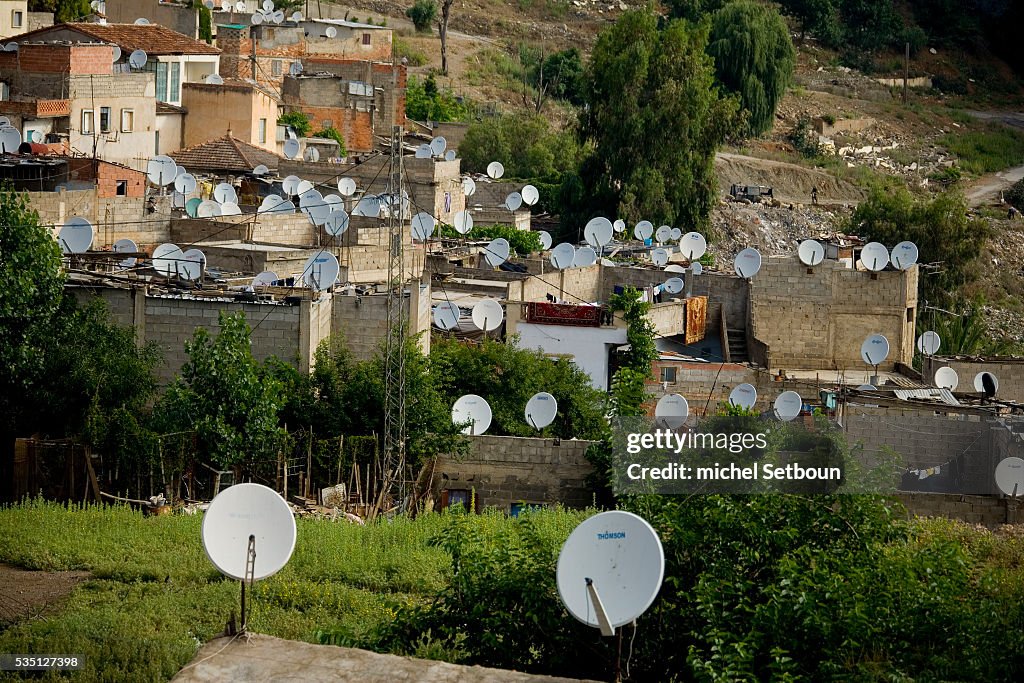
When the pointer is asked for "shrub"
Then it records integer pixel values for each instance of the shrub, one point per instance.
(1015, 195)
(425, 101)
(804, 139)
(299, 121)
(333, 133)
(422, 14)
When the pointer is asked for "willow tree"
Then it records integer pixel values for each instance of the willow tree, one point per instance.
(754, 57)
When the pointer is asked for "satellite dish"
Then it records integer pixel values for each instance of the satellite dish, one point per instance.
(545, 240)
(4, 121)
(422, 226)
(312, 203)
(747, 263)
(874, 256)
(367, 206)
(438, 145)
(334, 201)
(904, 255)
(10, 140)
(811, 252)
(497, 252)
(663, 233)
(446, 316)
(166, 258)
(474, 410)
(347, 187)
(495, 169)
(303, 187)
(337, 222)
(297, 17)
(875, 349)
(331, 32)
(260, 170)
(744, 396)
(230, 209)
(275, 204)
(619, 225)
(290, 185)
(214, 79)
(225, 193)
(788, 405)
(696, 268)
(240, 6)
(607, 262)
(675, 268)
(986, 383)
(312, 154)
(867, 387)
(291, 148)
(192, 207)
(161, 170)
(530, 195)
(37, 136)
(244, 515)
(598, 232)
(541, 410)
(692, 245)
(117, 54)
(487, 315)
(321, 271)
(185, 183)
(208, 209)
(674, 285)
(11, 47)
(468, 186)
(1009, 476)
(563, 255)
(946, 378)
(278, 16)
(449, 155)
(675, 234)
(76, 235)
(192, 265)
(610, 570)
(659, 257)
(643, 230)
(128, 246)
(256, 19)
(265, 279)
(928, 343)
(142, 21)
(268, 6)
(584, 257)
(513, 201)
(671, 411)
(137, 59)
(209, 4)
(463, 222)
(423, 152)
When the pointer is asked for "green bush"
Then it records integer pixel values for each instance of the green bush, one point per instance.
(804, 138)
(425, 101)
(422, 14)
(406, 51)
(525, 144)
(522, 242)
(1015, 195)
(333, 133)
(299, 121)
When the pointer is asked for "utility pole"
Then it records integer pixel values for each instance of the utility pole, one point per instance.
(906, 71)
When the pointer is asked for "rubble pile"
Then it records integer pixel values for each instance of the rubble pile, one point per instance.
(775, 230)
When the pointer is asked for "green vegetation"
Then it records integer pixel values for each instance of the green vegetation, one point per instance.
(525, 144)
(522, 242)
(986, 151)
(425, 101)
(966, 332)
(628, 386)
(422, 14)
(63, 10)
(298, 120)
(406, 51)
(754, 58)
(804, 139)
(1015, 195)
(333, 133)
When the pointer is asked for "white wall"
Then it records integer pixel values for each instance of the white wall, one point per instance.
(588, 346)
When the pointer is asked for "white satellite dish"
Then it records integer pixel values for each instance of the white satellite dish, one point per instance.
(312, 155)
(192, 267)
(247, 516)
(619, 225)
(347, 187)
(260, 170)
(979, 383)
(37, 136)
(331, 32)
(675, 268)
(278, 16)
(321, 271)
(904, 255)
(663, 233)
(10, 140)
(214, 79)
(874, 256)
(422, 226)
(161, 170)
(446, 316)
(368, 206)
(696, 268)
(290, 185)
(185, 183)
(297, 17)
(4, 121)
(598, 232)
(230, 209)
(659, 257)
(607, 262)
(137, 59)
(487, 315)
(675, 234)
(463, 222)
(166, 259)
(875, 349)
(208, 209)
(142, 21)
(468, 187)
(1009, 476)
(811, 252)
(256, 19)
(265, 279)
(541, 410)
(584, 257)
(692, 245)
(291, 148)
(928, 343)
(643, 230)
(117, 54)
(747, 263)
(423, 151)
(313, 205)
(513, 201)
(126, 246)
(474, 410)
(671, 411)
(867, 387)
(497, 252)
(449, 155)
(563, 255)
(674, 285)
(530, 195)
(240, 6)
(209, 4)
(76, 235)
(303, 187)
(224, 192)
(545, 239)
(610, 570)
(337, 222)
(788, 405)
(268, 5)
(946, 378)
(438, 145)
(11, 47)
(743, 395)
(495, 169)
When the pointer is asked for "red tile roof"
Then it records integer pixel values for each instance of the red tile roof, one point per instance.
(226, 153)
(154, 39)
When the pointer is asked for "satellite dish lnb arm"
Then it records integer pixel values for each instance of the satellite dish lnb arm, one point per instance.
(602, 616)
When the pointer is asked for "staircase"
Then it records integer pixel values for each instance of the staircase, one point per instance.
(738, 346)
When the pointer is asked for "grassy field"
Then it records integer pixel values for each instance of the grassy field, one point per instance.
(988, 150)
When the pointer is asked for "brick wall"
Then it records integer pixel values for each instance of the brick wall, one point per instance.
(1009, 372)
(107, 176)
(65, 59)
(503, 470)
(355, 126)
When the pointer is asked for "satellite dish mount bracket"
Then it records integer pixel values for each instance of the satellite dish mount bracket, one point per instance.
(250, 570)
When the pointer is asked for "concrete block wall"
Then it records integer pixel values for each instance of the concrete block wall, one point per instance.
(114, 217)
(710, 384)
(362, 320)
(577, 285)
(503, 470)
(989, 511)
(1009, 372)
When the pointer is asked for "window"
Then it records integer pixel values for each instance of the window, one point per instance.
(122, 188)
(174, 94)
(275, 67)
(263, 131)
(17, 17)
(910, 315)
(326, 123)
(668, 375)
(104, 119)
(87, 122)
(458, 497)
(161, 81)
(127, 120)
(366, 39)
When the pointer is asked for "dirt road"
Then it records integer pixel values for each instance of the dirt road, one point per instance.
(791, 182)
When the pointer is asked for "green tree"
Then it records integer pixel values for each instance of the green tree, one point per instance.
(422, 14)
(1015, 195)
(629, 392)
(298, 120)
(655, 119)
(754, 58)
(333, 133)
(940, 227)
(525, 144)
(226, 397)
(63, 10)
(425, 101)
(693, 10)
(869, 25)
(819, 17)
(966, 332)
(205, 21)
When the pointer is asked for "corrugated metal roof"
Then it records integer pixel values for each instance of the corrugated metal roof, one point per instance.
(930, 394)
